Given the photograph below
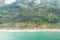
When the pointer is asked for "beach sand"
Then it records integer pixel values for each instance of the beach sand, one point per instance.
(30, 30)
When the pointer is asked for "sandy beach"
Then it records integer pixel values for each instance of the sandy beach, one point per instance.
(30, 30)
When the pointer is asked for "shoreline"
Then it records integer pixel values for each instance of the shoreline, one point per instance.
(29, 30)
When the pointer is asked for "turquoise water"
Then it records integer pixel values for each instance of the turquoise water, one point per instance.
(29, 35)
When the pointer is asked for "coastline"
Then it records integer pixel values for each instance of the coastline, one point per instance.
(29, 30)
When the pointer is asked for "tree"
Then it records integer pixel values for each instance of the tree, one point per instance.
(52, 18)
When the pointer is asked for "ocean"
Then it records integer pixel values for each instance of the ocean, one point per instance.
(29, 35)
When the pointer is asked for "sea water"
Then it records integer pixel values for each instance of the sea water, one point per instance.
(29, 35)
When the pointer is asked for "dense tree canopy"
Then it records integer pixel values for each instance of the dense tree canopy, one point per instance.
(22, 14)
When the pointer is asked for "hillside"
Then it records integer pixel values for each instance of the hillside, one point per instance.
(30, 14)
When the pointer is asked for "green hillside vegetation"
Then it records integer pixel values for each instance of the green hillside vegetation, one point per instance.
(35, 17)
